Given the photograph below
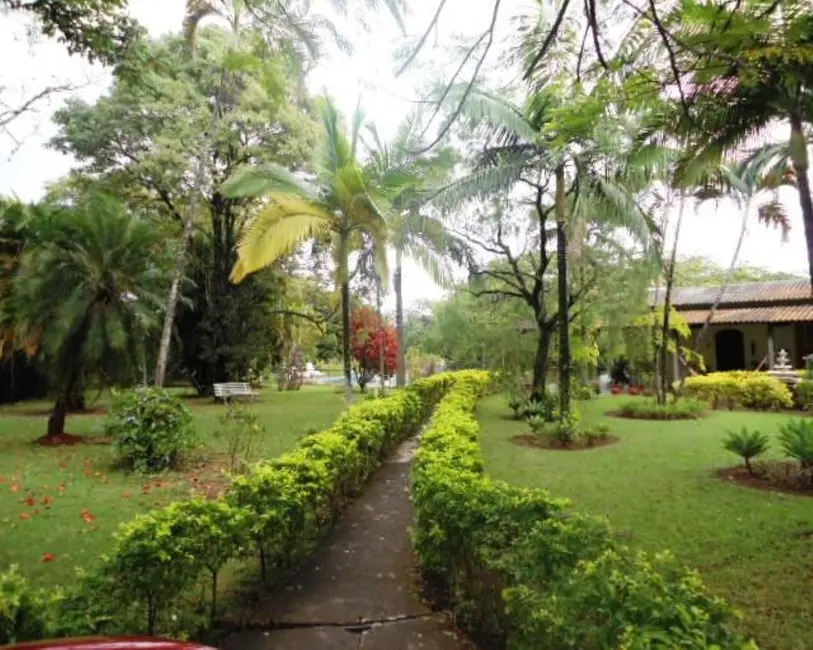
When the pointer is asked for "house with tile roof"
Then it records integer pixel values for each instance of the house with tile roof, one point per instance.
(751, 324)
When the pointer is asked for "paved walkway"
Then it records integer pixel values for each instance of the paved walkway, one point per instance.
(359, 592)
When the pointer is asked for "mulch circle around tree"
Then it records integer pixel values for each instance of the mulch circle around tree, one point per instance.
(741, 476)
(59, 439)
(619, 414)
(530, 440)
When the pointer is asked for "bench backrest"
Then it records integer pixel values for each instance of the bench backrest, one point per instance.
(232, 388)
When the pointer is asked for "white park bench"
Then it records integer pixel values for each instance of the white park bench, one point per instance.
(234, 389)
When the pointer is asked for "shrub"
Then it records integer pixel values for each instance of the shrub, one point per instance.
(595, 435)
(241, 430)
(152, 429)
(618, 599)
(747, 444)
(520, 572)
(516, 402)
(796, 440)
(649, 409)
(541, 405)
(23, 610)
(757, 390)
(537, 423)
(581, 391)
(803, 396)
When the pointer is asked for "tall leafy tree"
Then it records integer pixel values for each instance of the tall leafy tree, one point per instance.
(165, 145)
(338, 205)
(89, 288)
(577, 163)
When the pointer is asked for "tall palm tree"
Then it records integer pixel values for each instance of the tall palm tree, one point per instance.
(588, 184)
(406, 180)
(751, 69)
(339, 203)
(88, 289)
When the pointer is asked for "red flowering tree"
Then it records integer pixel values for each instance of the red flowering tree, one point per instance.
(370, 339)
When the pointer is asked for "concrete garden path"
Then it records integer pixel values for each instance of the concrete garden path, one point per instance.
(359, 591)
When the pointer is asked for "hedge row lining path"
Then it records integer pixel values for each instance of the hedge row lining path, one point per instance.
(359, 591)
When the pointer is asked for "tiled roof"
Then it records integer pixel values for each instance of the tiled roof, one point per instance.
(788, 314)
(738, 294)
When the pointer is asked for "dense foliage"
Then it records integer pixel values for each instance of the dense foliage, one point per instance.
(520, 572)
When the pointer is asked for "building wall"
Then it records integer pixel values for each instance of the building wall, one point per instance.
(755, 340)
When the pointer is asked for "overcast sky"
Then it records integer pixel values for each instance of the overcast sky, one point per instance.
(26, 165)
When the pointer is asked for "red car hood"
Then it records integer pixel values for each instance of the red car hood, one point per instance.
(109, 643)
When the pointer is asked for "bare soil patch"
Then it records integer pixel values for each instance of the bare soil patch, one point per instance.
(580, 444)
(777, 476)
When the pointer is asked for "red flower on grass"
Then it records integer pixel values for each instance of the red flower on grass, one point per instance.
(48, 557)
(47, 501)
(88, 516)
(30, 501)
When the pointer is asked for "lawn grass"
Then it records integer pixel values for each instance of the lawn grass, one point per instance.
(658, 489)
(68, 501)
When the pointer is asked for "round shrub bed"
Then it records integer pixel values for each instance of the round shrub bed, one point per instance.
(579, 444)
(649, 409)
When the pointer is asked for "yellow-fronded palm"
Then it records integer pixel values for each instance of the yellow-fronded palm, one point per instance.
(338, 203)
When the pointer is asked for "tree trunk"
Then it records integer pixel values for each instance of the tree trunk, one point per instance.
(400, 370)
(56, 421)
(538, 387)
(174, 295)
(663, 388)
(799, 160)
(380, 333)
(564, 320)
(348, 377)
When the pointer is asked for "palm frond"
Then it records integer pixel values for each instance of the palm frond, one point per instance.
(480, 184)
(335, 150)
(277, 230)
(774, 214)
(264, 179)
(502, 120)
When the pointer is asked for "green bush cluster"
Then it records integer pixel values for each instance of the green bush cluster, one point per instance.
(519, 572)
(163, 572)
(22, 609)
(687, 408)
(803, 395)
(151, 428)
(740, 388)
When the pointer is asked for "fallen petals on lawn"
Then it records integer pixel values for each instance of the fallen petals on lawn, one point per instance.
(47, 501)
(30, 501)
(25, 515)
(88, 516)
(62, 487)
(48, 557)
(15, 487)
(126, 495)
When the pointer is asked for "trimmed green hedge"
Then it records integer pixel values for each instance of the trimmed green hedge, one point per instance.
(166, 560)
(521, 573)
(740, 388)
